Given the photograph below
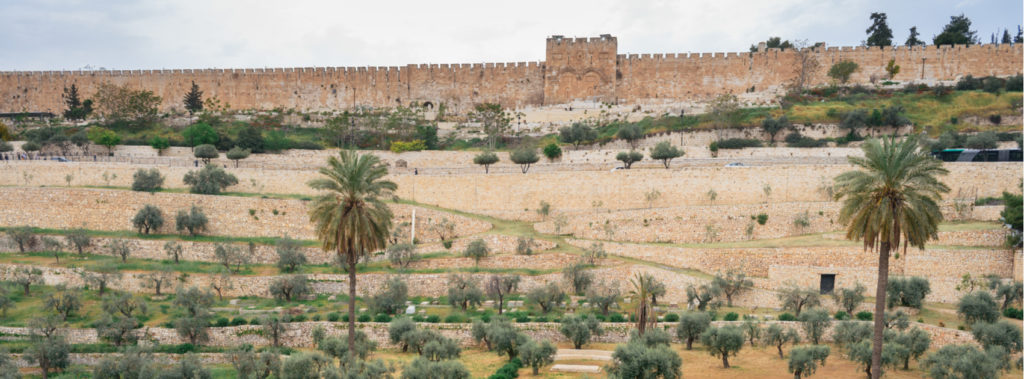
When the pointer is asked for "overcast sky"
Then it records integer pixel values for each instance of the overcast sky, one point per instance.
(152, 34)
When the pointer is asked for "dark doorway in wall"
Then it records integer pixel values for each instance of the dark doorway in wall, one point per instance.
(828, 283)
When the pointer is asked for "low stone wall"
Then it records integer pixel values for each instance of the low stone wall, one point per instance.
(514, 195)
(712, 223)
(64, 208)
(94, 359)
(299, 335)
(758, 261)
(986, 238)
(267, 254)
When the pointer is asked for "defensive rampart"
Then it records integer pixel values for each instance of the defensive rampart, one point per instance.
(575, 69)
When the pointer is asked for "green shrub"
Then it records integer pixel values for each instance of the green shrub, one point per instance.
(454, 318)
(1012, 312)
(364, 318)
(787, 317)
(522, 319)
(738, 143)
(433, 319)
(796, 139)
(615, 317)
(238, 321)
(380, 317)
(671, 317)
(732, 316)
(418, 318)
(842, 315)
(333, 316)
(762, 218)
(222, 322)
(865, 316)
(403, 146)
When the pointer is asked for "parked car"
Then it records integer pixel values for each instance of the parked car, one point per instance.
(735, 164)
(60, 159)
(617, 168)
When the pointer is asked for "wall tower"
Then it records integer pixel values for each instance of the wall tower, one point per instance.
(580, 69)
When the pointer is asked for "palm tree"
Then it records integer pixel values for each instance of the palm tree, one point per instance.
(893, 197)
(350, 217)
(642, 286)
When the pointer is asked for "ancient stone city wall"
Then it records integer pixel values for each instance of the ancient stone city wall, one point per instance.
(579, 69)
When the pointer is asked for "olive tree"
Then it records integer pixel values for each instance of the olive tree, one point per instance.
(916, 341)
(723, 342)
(815, 322)
(236, 154)
(731, 283)
(174, 250)
(26, 277)
(577, 134)
(24, 237)
(804, 360)
(850, 298)
(701, 295)
(149, 218)
(631, 133)
(464, 291)
(79, 239)
(603, 296)
(401, 255)
(193, 220)
(499, 286)
(49, 353)
(907, 292)
(1002, 334)
(120, 248)
(1009, 293)
(578, 277)
(422, 368)
(665, 152)
(962, 361)
(391, 298)
(195, 324)
(691, 326)
(477, 250)
(579, 329)
(547, 297)
(210, 180)
(64, 301)
(289, 254)
(537, 354)
(636, 359)
(100, 277)
(206, 153)
(147, 180)
(778, 336)
(231, 257)
(629, 157)
(289, 287)
(978, 306)
(795, 298)
(486, 159)
(524, 158)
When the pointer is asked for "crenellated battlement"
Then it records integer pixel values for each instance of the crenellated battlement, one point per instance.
(574, 68)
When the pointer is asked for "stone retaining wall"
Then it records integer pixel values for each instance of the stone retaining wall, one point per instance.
(267, 254)
(758, 261)
(714, 223)
(63, 208)
(299, 335)
(517, 195)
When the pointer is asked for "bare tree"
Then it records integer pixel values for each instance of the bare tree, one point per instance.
(499, 286)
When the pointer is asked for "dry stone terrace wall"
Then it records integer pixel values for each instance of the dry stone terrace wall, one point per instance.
(932, 263)
(690, 224)
(517, 195)
(228, 215)
(299, 335)
(267, 254)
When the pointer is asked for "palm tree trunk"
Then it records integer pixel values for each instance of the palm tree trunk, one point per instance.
(883, 282)
(351, 302)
